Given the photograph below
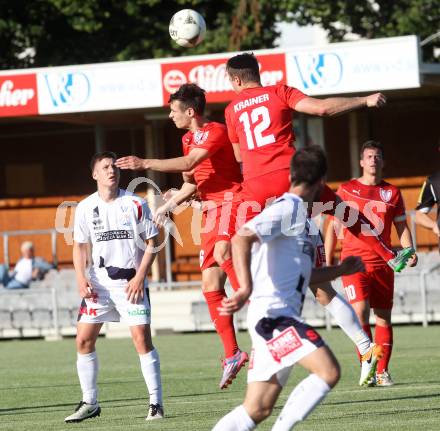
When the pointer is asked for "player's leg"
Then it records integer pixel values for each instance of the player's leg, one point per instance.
(382, 301)
(138, 318)
(343, 313)
(150, 366)
(223, 258)
(259, 401)
(324, 375)
(363, 229)
(87, 368)
(357, 288)
(213, 279)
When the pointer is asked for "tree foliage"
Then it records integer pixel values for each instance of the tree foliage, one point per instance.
(58, 32)
(369, 18)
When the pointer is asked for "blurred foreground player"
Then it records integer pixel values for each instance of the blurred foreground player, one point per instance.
(122, 235)
(429, 197)
(383, 204)
(259, 122)
(273, 255)
(209, 168)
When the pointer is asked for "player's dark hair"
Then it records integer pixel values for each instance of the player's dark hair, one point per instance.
(371, 145)
(245, 66)
(308, 165)
(102, 155)
(190, 96)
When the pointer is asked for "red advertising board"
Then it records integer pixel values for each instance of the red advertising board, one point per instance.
(210, 74)
(18, 95)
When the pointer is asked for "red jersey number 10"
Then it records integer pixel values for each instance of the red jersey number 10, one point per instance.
(260, 120)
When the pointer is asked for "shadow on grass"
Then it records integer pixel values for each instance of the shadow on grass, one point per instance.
(381, 400)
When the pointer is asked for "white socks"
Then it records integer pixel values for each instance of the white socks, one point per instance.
(346, 318)
(236, 420)
(87, 366)
(150, 365)
(303, 399)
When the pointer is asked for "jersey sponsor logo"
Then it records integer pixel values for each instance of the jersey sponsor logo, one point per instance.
(200, 137)
(114, 234)
(356, 192)
(18, 95)
(211, 75)
(284, 343)
(385, 195)
(70, 89)
(323, 70)
(138, 312)
(87, 311)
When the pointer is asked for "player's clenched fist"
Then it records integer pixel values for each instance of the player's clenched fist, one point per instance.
(85, 288)
(376, 100)
(131, 162)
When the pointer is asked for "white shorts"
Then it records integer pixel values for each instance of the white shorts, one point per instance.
(277, 344)
(109, 305)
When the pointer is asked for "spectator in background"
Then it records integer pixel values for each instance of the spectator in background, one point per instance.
(429, 196)
(27, 269)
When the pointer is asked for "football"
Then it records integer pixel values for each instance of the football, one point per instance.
(187, 28)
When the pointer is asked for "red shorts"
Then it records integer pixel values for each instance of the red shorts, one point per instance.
(259, 191)
(218, 224)
(376, 286)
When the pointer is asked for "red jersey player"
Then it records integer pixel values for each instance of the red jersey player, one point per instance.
(382, 203)
(208, 166)
(259, 122)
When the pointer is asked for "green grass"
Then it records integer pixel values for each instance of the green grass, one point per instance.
(39, 387)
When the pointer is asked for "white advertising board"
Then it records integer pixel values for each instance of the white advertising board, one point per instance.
(111, 86)
(351, 67)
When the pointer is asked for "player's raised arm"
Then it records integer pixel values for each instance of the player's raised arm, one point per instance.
(178, 164)
(349, 265)
(175, 199)
(338, 105)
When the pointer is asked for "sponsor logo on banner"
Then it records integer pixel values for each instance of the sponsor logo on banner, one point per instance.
(71, 89)
(385, 195)
(284, 343)
(18, 95)
(211, 76)
(322, 70)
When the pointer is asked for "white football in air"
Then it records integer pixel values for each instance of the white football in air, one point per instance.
(187, 28)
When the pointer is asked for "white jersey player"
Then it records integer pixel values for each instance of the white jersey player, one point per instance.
(119, 229)
(273, 256)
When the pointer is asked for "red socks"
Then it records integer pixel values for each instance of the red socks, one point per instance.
(230, 272)
(384, 337)
(224, 325)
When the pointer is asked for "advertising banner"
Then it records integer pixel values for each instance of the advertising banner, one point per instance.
(210, 74)
(380, 64)
(127, 85)
(18, 95)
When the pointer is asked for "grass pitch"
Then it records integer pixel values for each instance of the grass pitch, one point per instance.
(39, 386)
